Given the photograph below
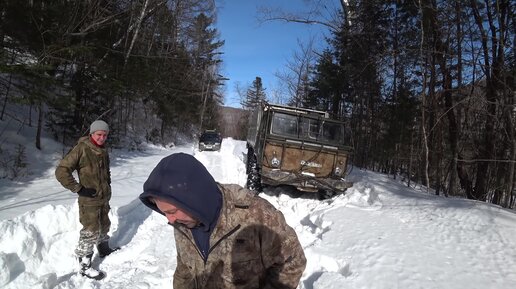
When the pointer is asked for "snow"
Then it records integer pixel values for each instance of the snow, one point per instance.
(380, 234)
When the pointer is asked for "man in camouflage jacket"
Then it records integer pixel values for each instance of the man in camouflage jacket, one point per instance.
(226, 236)
(90, 159)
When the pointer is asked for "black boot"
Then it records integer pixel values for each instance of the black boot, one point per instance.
(104, 249)
(86, 270)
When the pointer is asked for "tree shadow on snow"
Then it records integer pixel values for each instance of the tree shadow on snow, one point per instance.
(62, 196)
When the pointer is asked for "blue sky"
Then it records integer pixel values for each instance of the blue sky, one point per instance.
(252, 49)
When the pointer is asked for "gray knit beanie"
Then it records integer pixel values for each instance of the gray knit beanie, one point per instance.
(99, 125)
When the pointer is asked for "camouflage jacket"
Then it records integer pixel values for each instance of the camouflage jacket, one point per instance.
(92, 165)
(251, 247)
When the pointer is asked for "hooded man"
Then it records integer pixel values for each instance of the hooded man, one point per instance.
(226, 236)
(90, 159)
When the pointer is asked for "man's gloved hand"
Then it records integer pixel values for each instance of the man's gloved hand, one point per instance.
(85, 192)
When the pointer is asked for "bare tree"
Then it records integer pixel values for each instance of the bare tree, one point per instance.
(316, 12)
(296, 76)
(492, 22)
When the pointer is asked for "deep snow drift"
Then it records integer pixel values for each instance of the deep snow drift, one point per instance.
(380, 234)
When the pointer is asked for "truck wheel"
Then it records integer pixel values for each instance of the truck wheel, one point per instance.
(247, 161)
(254, 180)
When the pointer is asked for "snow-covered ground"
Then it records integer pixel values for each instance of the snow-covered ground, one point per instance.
(380, 234)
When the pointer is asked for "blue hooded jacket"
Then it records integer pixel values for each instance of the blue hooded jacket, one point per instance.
(183, 181)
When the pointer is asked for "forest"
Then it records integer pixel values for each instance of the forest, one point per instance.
(427, 87)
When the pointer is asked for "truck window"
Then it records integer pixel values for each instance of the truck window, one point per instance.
(284, 124)
(309, 128)
(332, 132)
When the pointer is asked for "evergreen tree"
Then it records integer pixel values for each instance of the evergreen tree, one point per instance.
(326, 84)
(255, 95)
(206, 50)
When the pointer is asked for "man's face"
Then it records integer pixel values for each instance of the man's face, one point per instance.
(99, 137)
(176, 215)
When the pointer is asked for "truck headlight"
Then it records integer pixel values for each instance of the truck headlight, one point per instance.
(275, 162)
(338, 171)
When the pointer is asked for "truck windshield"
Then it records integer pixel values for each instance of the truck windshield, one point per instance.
(209, 137)
(318, 130)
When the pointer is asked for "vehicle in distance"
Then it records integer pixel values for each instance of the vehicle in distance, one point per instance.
(210, 140)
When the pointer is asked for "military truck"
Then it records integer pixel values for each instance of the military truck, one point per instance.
(299, 147)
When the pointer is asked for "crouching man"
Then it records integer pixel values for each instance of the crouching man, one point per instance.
(226, 236)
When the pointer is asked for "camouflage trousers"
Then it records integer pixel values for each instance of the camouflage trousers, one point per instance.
(95, 227)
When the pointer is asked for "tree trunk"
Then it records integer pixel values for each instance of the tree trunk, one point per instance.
(409, 169)
(8, 89)
(6, 98)
(39, 126)
(137, 29)
(453, 125)
(492, 47)
(510, 116)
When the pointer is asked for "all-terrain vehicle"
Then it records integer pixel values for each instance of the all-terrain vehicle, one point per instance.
(300, 147)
